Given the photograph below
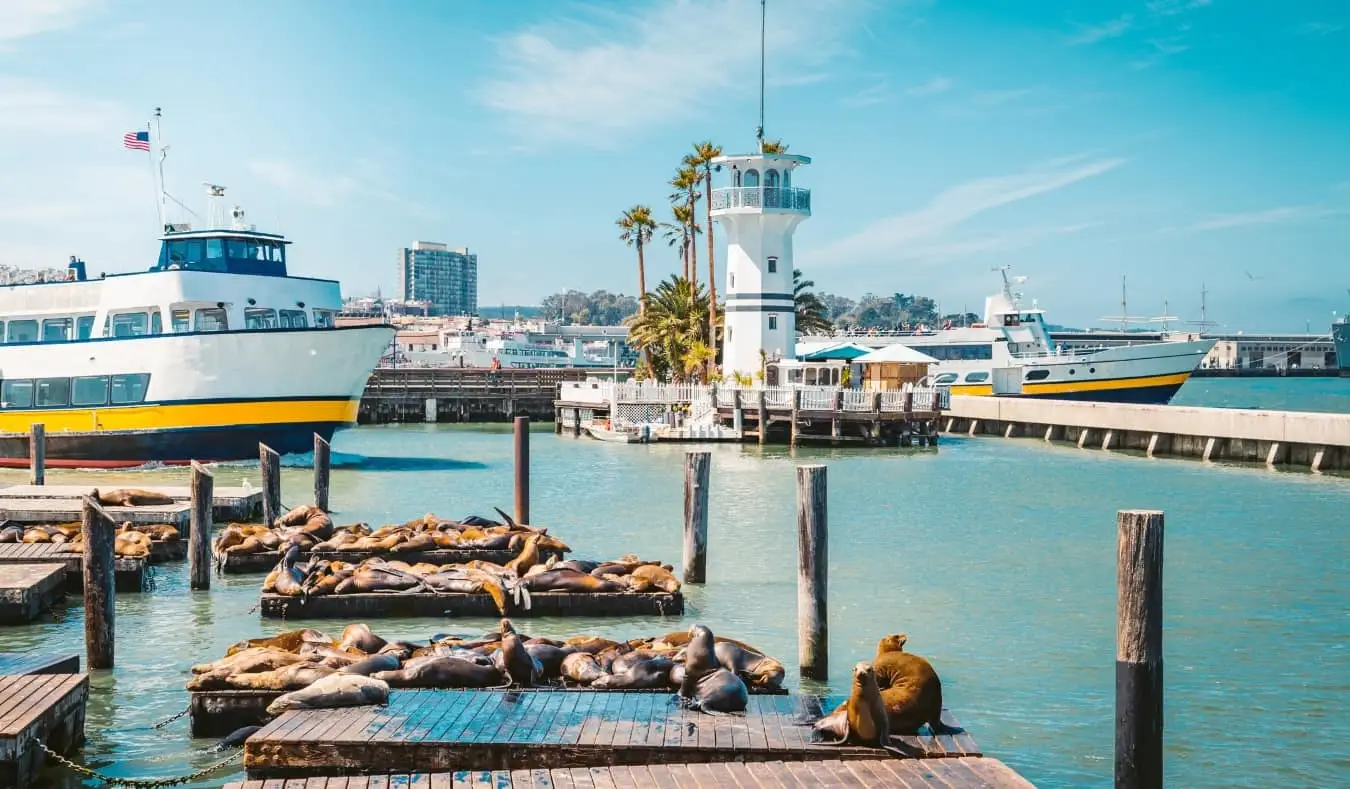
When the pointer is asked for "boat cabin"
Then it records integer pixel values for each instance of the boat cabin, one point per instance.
(228, 251)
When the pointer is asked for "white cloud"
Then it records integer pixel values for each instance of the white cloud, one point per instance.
(1113, 28)
(594, 81)
(1319, 28)
(27, 107)
(876, 94)
(993, 98)
(1269, 216)
(23, 18)
(315, 189)
(926, 231)
(1174, 7)
(932, 87)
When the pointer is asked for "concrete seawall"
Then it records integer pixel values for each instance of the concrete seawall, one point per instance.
(1304, 439)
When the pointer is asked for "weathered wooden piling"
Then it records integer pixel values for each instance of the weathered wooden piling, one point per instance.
(1139, 656)
(796, 411)
(322, 461)
(202, 485)
(99, 587)
(37, 453)
(696, 465)
(812, 573)
(270, 463)
(522, 458)
(763, 417)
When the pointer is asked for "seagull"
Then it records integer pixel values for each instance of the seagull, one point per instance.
(1252, 276)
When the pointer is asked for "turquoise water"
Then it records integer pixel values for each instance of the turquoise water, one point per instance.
(1278, 394)
(996, 557)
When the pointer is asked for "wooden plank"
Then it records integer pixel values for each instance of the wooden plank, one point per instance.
(228, 502)
(17, 663)
(360, 606)
(242, 563)
(68, 511)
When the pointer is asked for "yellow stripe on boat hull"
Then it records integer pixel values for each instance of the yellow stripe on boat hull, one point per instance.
(1068, 387)
(178, 416)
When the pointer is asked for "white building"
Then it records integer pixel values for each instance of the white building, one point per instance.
(759, 212)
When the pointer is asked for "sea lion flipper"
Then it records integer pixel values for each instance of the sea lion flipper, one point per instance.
(903, 750)
(939, 727)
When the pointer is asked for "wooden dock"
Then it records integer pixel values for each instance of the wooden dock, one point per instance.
(456, 394)
(27, 591)
(359, 606)
(429, 730)
(47, 708)
(960, 772)
(54, 510)
(130, 573)
(227, 503)
(264, 562)
(13, 664)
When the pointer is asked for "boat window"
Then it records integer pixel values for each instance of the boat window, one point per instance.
(323, 319)
(16, 394)
(22, 331)
(56, 329)
(946, 378)
(84, 327)
(237, 249)
(293, 319)
(963, 352)
(212, 319)
(215, 248)
(52, 392)
(127, 389)
(260, 318)
(130, 324)
(89, 390)
(181, 321)
(156, 323)
(1037, 375)
(977, 378)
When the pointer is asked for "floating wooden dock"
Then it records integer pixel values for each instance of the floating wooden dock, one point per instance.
(428, 730)
(27, 591)
(227, 503)
(130, 573)
(961, 772)
(13, 664)
(46, 708)
(54, 510)
(379, 604)
(264, 562)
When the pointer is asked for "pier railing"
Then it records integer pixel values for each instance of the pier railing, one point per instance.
(813, 398)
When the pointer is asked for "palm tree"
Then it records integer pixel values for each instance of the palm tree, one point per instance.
(677, 233)
(812, 315)
(702, 158)
(686, 183)
(637, 226)
(773, 146)
(673, 329)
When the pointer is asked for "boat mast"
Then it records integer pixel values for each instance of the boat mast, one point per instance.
(163, 151)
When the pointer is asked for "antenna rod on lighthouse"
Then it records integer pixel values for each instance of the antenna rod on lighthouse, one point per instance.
(759, 132)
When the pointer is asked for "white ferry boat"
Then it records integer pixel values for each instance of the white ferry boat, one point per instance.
(508, 350)
(212, 350)
(1014, 336)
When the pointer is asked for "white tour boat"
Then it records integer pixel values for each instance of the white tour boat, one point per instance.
(1013, 340)
(211, 351)
(511, 350)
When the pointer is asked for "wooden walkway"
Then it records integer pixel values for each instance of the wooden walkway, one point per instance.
(227, 503)
(56, 510)
(359, 606)
(956, 773)
(48, 708)
(428, 730)
(17, 663)
(264, 562)
(130, 573)
(27, 591)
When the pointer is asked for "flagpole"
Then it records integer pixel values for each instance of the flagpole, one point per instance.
(163, 188)
(150, 159)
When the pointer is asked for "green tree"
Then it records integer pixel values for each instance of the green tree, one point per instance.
(679, 233)
(686, 194)
(702, 159)
(812, 315)
(673, 332)
(773, 147)
(636, 225)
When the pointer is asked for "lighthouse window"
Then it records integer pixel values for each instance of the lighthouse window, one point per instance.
(773, 322)
(129, 389)
(89, 390)
(84, 327)
(260, 318)
(52, 392)
(130, 324)
(773, 265)
(17, 394)
(22, 331)
(751, 178)
(770, 179)
(212, 319)
(56, 330)
(293, 319)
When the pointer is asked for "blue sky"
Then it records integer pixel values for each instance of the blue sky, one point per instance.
(1178, 142)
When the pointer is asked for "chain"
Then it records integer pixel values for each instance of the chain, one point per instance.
(141, 783)
(172, 718)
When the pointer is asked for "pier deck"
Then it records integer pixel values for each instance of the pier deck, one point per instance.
(956, 773)
(130, 573)
(428, 730)
(47, 708)
(264, 562)
(358, 606)
(27, 591)
(227, 503)
(58, 510)
(13, 664)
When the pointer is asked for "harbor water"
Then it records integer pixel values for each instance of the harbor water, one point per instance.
(996, 557)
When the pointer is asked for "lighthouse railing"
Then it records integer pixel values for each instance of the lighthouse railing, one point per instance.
(780, 197)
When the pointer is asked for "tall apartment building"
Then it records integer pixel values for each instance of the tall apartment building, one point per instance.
(446, 278)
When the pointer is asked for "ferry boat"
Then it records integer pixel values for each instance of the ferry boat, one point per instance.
(1014, 343)
(507, 350)
(212, 350)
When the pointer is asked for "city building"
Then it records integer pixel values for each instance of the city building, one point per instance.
(444, 278)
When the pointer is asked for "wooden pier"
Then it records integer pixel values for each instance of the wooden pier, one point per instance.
(954, 773)
(429, 730)
(227, 503)
(457, 394)
(13, 664)
(46, 708)
(360, 606)
(63, 510)
(27, 591)
(264, 562)
(130, 573)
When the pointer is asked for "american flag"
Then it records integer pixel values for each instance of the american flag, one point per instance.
(136, 140)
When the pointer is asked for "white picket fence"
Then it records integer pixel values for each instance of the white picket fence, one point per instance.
(699, 397)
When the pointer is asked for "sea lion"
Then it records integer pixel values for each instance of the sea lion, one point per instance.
(131, 497)
(289, 641)
(336, 690)
(582, 668)
(707, 686)
(520, 667)
(651, 671)
(236, 738)
(567, 581)
(910, 688)
(373, 664)
(10, 532)
(251, 661)
(442, 672)
(657, 576)
(758, 670)
(292, 677)
(861, 720)
(289, 580)
(359, 636)
(550, 658)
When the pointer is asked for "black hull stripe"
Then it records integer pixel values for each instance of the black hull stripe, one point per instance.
(170, 446)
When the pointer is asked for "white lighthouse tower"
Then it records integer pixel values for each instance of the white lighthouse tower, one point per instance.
(758, 212)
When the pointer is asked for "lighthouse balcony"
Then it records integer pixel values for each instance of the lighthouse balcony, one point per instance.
(762, 198)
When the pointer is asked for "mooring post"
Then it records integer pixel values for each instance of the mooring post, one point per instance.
(37, 453)
(737, 415)
(796, 409)
(696, 465)
(322, 466)
(522, 440)
(1139, 644)
(99, 587)
(812, 573)
(202, 488)
(763, 417)
(270, 462)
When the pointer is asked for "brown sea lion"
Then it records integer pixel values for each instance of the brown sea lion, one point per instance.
(862, 719)
(516, 663)
(10, 532)
(289, 580)
(707, 686)
(568, 581)
(590, 644)
(336, 690)
(581, 668)
(289, 641)
(359, 636)
(657, 576)
(643, 673)
(442, 672)
(550, 658)
(131, 497)
(293, 677)
(373, 664)
(251, 660)
(527, 558)
(910, 688)
(758, 670)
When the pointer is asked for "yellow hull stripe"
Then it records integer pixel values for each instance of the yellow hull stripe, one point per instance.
(179, 416)
(1067, 387)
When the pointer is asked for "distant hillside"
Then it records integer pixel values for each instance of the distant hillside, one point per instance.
(509, 311)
